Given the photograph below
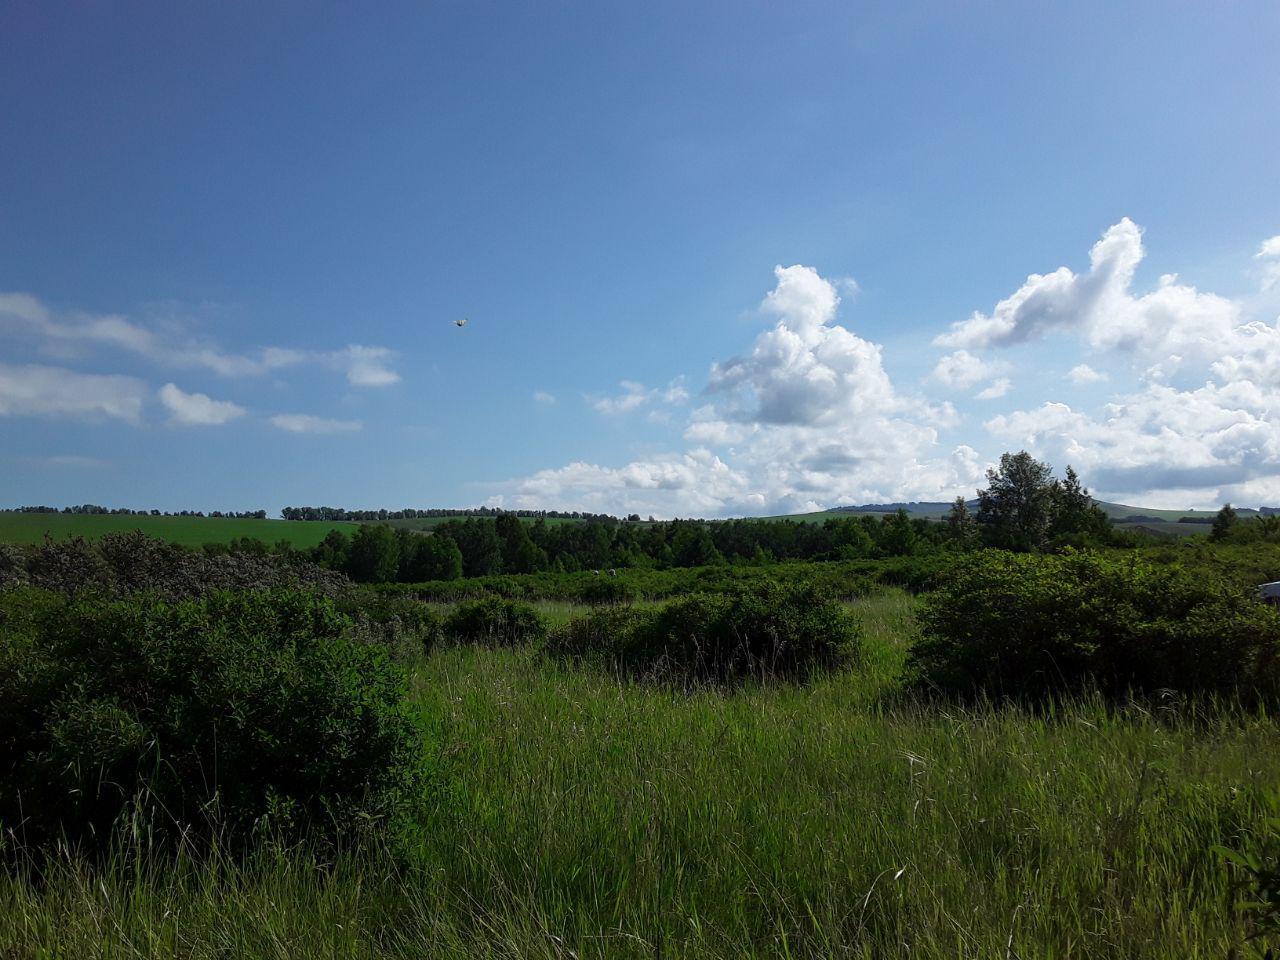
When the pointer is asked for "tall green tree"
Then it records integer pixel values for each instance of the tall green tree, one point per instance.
(1076, 517)
(374, 555)
(519, 553)
(961, 524)
(433, 557)
(1224, 522)
(1016, 510)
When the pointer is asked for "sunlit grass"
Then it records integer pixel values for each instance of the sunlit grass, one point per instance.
(582, 817)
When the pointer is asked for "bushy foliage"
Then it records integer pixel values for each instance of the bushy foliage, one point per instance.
(13, 566)
(1026, 625)
(213, 716)
(616, 589)
(495, 621)
(120, 564)
(767, 632)
(599, 636)
(406, 627)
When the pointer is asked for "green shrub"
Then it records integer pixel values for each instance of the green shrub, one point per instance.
(1027, 625)
(767, 631)
(495, 621)
(210, 716)
(405, 626)
(600, 635)
(608, 590)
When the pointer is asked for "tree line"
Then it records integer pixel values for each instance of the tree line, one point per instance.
(410, 513)
(93, 509)
(1023, 508)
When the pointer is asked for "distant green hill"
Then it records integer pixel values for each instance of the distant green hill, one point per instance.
(188, 531)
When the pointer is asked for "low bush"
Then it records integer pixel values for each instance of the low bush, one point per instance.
(765, 632)
(120, 564)
(1026, 625)
(495, 622)
(406, 627)
(603, 590)
(600, 635)
(200, 717)
(13, 566)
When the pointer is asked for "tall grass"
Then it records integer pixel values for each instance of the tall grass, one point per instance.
(582, 818)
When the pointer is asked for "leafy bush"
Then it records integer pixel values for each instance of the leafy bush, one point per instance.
(608, 590)
(407, 628)
(13, 566)
(599, 635)
(495, 621)
(200, 716)
(120, 564)
(1023, 625)
(766, 632)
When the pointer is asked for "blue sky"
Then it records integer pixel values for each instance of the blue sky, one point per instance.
(233, 237)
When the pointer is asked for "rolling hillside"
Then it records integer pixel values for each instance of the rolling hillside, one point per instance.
(188, 531)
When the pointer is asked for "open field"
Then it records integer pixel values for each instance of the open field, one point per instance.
(188, 531)
(577, 816)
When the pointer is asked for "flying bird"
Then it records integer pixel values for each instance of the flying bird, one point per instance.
(460, 323)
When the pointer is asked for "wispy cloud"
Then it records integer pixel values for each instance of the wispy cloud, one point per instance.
(22, 314)
(37, 390)
(995, 391)
(305, 423)
(636, 395)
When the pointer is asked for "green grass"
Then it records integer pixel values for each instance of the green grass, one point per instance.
(188, 531)
(579, 817)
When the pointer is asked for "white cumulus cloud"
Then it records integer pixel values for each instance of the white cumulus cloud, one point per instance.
(808, 417)
(963, 369)
(1100, 307)
(197, 409)
(1082, 373)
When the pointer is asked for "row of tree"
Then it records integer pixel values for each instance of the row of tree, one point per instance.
(93, 509)
(410, 513)
(1023, 508)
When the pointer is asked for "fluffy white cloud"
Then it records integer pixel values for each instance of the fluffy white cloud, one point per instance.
(305, 423)
(22, 314)
(1082, 373)
(1208, 440)
(544, 398)
(963, 369)
(197, 409)
(37, 390)
(1099, 306)
(808, 417)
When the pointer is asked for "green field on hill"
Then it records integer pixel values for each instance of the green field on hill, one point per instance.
(188, 531)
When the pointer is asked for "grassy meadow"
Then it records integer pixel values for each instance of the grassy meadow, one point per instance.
(577, 815)
(186, 531)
